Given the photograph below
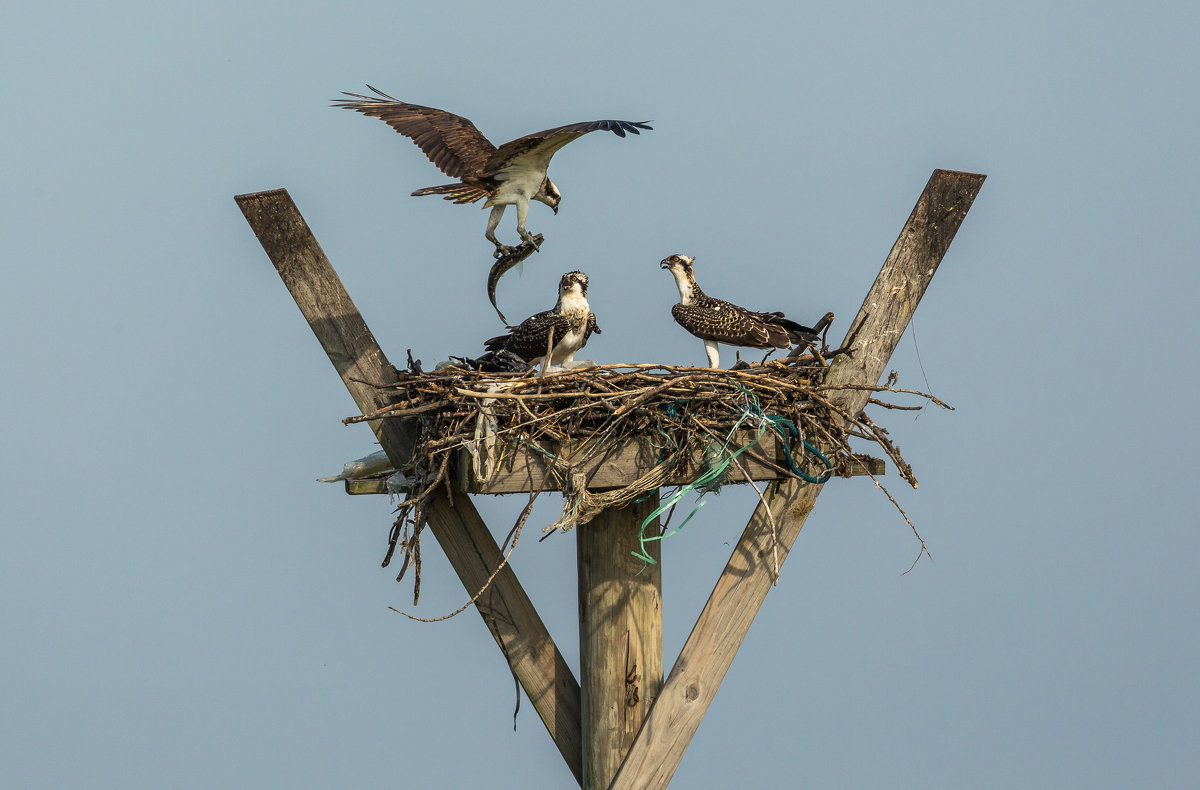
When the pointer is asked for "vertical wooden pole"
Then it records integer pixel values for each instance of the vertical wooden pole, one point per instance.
(620, 637)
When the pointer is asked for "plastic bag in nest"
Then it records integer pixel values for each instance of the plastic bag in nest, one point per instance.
(715, 454)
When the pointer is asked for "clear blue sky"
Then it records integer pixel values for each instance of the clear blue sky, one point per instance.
(185, 607)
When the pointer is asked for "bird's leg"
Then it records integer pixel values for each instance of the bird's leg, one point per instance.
(714, 357)
(526, 236)
(493, 222)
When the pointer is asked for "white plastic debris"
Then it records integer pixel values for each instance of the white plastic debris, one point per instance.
(367, 465)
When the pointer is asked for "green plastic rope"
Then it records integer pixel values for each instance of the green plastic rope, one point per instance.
(709, 476)
(751, 410)
(776, 422)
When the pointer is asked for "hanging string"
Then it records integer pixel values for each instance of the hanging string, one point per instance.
(751, 410)
(714, 473)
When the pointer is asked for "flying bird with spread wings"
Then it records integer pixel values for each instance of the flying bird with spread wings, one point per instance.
(716, 321)
(511, 175)
(565, 329)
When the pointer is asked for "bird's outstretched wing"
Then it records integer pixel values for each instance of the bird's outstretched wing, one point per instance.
(450, 141)
(534, 150)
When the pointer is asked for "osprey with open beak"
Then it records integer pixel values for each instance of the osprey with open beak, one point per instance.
(716, 321)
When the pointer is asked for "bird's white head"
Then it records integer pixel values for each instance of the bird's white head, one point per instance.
(680, 266)
(549, 194)
(575, 281)
(672, 261)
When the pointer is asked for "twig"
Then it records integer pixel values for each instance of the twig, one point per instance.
(770, 519)
(592, 410)
(515, 533)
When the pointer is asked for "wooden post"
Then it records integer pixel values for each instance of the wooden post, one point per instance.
(620, 636)
(514, 623)
(742, 588)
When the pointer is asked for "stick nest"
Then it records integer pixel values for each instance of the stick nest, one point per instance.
(683, 413)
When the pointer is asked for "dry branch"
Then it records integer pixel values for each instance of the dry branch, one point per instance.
(677, 414)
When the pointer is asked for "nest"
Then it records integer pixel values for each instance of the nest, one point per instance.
(680, 414)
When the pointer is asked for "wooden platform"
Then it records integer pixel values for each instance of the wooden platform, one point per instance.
(525, 470)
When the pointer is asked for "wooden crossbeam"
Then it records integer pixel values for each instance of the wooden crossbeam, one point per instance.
(616, 468)
(470, 547)
(742, 588)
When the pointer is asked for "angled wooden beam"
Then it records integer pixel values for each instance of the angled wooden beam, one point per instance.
(742, 588)
(470, 547)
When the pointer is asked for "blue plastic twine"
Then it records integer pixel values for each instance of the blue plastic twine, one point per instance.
(781, 425)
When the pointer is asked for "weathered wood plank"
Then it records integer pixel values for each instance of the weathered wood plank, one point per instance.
(370, 485)
(620, 636)
(514, 481)
(617, 467)
(742, 588)
(468, 544)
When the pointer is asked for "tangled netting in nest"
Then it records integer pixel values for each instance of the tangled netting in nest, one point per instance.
(680, 414)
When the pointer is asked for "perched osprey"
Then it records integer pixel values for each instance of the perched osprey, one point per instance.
(716, 321)
(512, 174)
(568, 326)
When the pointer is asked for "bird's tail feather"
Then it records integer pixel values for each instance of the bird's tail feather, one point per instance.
(459, 193)
(497, 343)
(796, 333)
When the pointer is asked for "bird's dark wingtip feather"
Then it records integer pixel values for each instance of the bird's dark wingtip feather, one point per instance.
(621, 128)
(633, 127)
(357, 100)
(381, 93)
(351, 103)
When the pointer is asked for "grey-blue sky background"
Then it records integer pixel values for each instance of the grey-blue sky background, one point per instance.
(185, 607)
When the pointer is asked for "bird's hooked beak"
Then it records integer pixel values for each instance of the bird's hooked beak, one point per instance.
(549, 194)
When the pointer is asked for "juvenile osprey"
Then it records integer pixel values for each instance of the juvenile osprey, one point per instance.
(570, 324)
(716, 321)
(512, 174)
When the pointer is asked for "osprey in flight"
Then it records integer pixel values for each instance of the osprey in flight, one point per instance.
(716, 321)
(568, 326)
(513, 174)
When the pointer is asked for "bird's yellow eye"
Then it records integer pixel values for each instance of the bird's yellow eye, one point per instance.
(674, 259)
